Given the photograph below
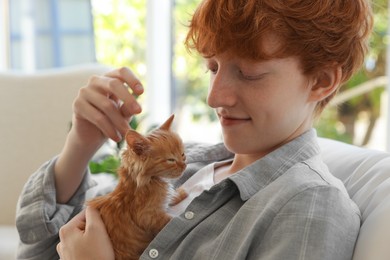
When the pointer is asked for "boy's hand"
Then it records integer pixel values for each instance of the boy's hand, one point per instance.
(104, 107)
(101, 110)
(85, 237)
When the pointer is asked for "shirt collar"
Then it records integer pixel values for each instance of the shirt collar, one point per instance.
(262, 172)
(207, 153)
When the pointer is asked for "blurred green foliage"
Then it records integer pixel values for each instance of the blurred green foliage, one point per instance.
(109, 164)
(120, 33)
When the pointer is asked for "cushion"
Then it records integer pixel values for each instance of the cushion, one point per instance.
(366, 175)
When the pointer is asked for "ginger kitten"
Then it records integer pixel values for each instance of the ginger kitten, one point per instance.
(136, 210)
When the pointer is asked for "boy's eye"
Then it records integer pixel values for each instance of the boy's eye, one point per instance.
(212, 66)
(251, 77)
(212, 69)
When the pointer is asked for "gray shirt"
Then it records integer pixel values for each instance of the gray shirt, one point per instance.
(284, 206)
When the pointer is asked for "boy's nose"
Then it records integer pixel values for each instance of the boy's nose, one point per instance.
(221, 92)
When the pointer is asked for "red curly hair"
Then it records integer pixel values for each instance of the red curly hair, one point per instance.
(320, 33)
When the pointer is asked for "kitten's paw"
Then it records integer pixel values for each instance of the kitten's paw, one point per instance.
(179, 196)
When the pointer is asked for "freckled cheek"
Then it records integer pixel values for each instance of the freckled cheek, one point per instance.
(256, 102)
(266, 111)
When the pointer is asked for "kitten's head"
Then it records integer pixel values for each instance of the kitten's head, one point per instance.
(159, 154)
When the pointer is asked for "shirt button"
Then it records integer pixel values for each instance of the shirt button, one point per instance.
(153, 253)
(189, 215)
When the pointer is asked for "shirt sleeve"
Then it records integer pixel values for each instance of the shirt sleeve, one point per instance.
(318, 223)
(39, 217)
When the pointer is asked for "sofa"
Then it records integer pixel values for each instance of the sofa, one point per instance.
(36, 115)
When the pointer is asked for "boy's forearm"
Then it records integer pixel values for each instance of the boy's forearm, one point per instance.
(70, 167)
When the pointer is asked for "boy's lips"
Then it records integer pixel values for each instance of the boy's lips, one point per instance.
(232, 120)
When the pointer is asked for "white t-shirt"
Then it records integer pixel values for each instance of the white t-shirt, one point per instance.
(202, 180)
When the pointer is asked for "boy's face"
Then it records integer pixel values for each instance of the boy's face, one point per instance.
(260, 105)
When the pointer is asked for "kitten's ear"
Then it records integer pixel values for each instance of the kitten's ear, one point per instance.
(137, 142)
(167, 124)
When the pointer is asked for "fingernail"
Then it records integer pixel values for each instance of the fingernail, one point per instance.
(139, 87)
(136, 107)
(119, 136)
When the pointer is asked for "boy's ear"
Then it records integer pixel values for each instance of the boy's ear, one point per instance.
(326, 82)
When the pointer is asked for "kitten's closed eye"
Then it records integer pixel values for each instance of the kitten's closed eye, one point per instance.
(171, 160)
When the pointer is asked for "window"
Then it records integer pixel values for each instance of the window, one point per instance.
(50, 33)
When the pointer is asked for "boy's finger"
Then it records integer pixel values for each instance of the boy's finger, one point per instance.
(76, 223)
(93, 218)
(126, 75)
(79, 218)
